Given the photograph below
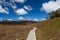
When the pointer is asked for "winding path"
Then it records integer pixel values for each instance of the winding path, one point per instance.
(32, 34)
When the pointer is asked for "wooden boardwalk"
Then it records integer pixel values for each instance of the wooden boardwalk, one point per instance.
(32, 34)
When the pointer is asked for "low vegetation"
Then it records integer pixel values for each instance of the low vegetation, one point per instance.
(14, 32)
(55, 14)
(49, 29)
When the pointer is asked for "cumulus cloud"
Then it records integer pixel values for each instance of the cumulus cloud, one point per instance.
(24, 10)
(28, 7)
(21, 11)
(43, 19)
(0, 2)
(6, 9)
(28, 18)
(21, 18)
(15, 7)
(51, 6)
(10, 19)
(35, 19)
(21, 1)
(2, 10)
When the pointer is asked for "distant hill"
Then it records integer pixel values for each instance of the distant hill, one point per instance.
(23, 22)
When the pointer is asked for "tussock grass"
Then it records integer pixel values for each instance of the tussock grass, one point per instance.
(13, 32)
(49, 29)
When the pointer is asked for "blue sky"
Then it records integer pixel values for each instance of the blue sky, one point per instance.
(26, 9)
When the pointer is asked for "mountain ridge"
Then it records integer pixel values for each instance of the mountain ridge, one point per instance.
(17, 22)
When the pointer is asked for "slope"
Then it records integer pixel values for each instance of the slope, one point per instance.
(49, 29)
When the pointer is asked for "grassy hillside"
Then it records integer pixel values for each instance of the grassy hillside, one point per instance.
(49, 29)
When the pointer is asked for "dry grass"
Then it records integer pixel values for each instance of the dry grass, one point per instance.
(14, 32)
(49, 30)
(46, 30)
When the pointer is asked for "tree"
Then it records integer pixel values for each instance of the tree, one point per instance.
(54, 14)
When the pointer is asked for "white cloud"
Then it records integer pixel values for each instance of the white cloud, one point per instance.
(42, 19)
(10, 19)
(2, 10)
(21, 18)
(51, 6)
(21, 11)
(6, 8)
(35, 19)
(28, 7)
(27, 18)
(21, 1)
(0, 2)
(14, 7)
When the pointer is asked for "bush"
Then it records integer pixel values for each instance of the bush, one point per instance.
(54, 14)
